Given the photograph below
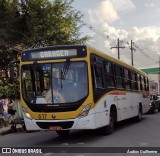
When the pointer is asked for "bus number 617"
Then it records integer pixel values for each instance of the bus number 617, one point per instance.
(42, 116)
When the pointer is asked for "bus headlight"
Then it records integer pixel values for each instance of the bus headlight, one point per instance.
(26, 114)
(85, 111)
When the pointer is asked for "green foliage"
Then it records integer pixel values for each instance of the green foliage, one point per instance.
(9, 16)
(6, 55)
(24, 23)
(10, 91)
(36, 21)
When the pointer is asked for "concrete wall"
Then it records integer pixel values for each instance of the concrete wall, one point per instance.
(154, 78)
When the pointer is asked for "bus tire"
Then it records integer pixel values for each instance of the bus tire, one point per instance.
(107, 130)
(63, 133)
(139, 116)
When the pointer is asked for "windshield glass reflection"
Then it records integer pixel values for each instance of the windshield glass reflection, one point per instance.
(45, 85)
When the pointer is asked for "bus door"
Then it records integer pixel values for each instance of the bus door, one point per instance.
(99, 90)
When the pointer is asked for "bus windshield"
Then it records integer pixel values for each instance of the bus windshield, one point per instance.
(44, 84)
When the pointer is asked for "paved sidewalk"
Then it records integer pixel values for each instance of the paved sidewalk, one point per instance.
(7, 130)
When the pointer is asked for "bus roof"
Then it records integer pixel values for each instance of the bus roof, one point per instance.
(102, 54)
(90, 50)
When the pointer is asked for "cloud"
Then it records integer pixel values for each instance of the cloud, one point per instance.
(108, 10)
(102, 18)
(152, 32)
(150, 5)
(104, 12)
(146, 41)
(123, 5)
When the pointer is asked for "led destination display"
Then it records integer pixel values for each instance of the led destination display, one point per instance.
(54, 54)
(51, 53)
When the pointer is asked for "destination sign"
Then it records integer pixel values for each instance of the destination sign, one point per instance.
(54, 52)
(51, 54)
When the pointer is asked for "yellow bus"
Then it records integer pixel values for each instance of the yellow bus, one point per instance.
(72, 87)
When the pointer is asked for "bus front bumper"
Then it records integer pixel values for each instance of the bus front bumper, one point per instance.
(87, 122)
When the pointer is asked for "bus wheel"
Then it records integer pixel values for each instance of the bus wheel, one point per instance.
(63, 133)
(107, 130)
(139, 116)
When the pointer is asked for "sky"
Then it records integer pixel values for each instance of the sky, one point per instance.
(136, 20)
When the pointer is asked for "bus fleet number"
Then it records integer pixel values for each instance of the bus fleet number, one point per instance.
(42, 116)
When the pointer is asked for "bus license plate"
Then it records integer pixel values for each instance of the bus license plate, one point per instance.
(55, 128)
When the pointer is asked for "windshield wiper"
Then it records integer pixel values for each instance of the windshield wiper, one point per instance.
(64, 71)
(35, 76)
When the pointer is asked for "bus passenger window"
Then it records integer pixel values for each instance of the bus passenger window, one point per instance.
(140, 79)
(98, 76)
(119, 79)
(126, 79)
(146, 84)
(130, 80)
(138, 82)
(135, 81)
(109, 74)
(143, 83)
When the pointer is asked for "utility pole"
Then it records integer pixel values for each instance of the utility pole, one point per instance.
(132, 52)
(118, 47)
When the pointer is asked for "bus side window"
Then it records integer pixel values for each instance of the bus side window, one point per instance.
(130, 79)
(109, 74)
(141, 87)
(143, 83)
(135, 82)
(119, 76)
(126, 79)
(138, 82)
(98, 74)
(97, 81)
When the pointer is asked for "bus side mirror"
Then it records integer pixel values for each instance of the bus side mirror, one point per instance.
(11, 66)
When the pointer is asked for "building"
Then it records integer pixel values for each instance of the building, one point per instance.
(154, 79)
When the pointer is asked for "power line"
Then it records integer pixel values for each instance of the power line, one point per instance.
(133, 45)
(101, 34)
(143, 52)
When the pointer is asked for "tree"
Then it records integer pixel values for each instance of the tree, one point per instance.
(29, 22)
(32, 21)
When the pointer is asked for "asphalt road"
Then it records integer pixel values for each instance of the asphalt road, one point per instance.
(127, 134)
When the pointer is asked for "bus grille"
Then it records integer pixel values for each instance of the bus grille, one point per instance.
(64, 125)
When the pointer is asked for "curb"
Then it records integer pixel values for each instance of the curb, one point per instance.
(8, 130)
